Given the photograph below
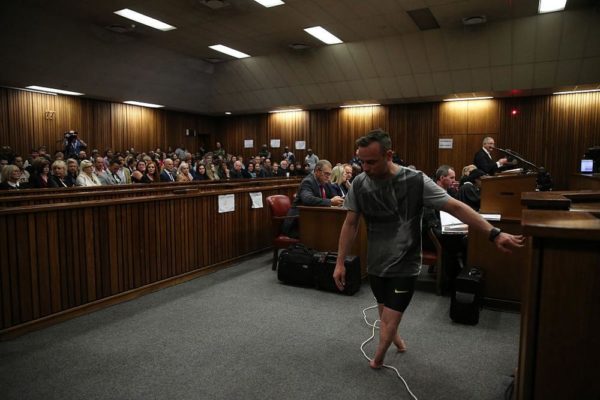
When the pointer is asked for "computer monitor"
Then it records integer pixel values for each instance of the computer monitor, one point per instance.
(587, 166)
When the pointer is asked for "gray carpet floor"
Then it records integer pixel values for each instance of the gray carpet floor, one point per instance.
(240, 334)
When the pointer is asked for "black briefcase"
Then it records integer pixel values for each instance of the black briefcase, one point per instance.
(295, 265)
(324, 266)
(466, 298)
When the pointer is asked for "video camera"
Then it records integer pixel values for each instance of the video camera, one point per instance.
(70, 135)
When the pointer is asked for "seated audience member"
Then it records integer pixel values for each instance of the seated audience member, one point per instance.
(86, 175)
(201, 174)
(284, 169)
(183, 173)
(59, 155)
(223, 170)
(24, 179)
(111, 176)
(465, 174)
(59, 173)
(313, 191)
(445, 177)
(124, 172)
(168, 172)
(140, 172)
(264, 152)
(250, 173)
(72, 172)
(292, 169)
(469, 193)
(10, 178)
(260, 171)
(99, 169)
(152, 175)
(310, 161)
(42, 173)
(236, 173)
(275, 169)
(81, 156)
(219, 151)
(339, 179)
(299, 170)
(211, 172)
(267, 168)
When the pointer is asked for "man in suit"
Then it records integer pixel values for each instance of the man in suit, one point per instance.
(445, 177)
(168, 172)
(314, 191)
(483, 158)
(111, 176)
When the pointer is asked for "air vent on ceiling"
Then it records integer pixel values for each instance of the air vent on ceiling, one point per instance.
(120, 28)
(214, 4)
(424, 19)
(213, 60)
(474, 20)
(298, 46)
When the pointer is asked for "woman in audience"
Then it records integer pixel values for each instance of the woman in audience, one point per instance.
(223, 170)
(42, 175)
(86, 175)
(59, 174)
(465, 173)
(183, 173)
(10, 178)
(137, 176)
(339, 179)
(72, 172)
(249, 172)
(212, 172)
(201, 174)
(151, 174)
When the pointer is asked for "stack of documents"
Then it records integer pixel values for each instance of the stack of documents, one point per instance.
(452, 225)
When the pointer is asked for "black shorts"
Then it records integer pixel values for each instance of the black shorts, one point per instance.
(394, 293)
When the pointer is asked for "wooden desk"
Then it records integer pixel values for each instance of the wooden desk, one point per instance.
(502, 193)
(320, 229)
(584, 181)
(560, 323)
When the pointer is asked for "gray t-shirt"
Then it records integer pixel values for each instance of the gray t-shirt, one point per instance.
(393, 209)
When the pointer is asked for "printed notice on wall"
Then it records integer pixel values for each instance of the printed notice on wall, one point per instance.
(226, 203)
(248, 143)
(275, 143)
(300, 145)
(256, 198)
(445, 144)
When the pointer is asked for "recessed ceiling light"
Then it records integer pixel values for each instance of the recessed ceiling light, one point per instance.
(546, 6)
(229, 51)
(51, 90)
(144, 19)
(469, 98)
(139, 103)
(323, 35)
(270, 3)
(360, 105)
(227, 112)
(577, 91)
(284, 111)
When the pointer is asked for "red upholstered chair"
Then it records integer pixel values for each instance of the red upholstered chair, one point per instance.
(432, 256)
(279, 205)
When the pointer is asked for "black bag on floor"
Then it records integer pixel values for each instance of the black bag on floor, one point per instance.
(466, 298)
(324, 266)
(295, 265)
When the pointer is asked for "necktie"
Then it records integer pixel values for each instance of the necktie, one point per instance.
(323, 195)
(116, 178)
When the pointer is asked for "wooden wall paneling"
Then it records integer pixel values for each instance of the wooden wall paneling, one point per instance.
(20, 115)
(78, 258)
(398, 129)
(64, 264)
(354, 123)
(453, 117)
(483, 116)
(53, 260)
(45, 130)
(288, 127)
(23, 269)
(102, 134)
(455, 157)
(88, 239)
(38, 233)
(33, 265)
(4, 119)
(422, 141)
(322, 133)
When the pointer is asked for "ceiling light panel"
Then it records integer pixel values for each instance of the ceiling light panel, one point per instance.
(269, 3)
(51, 90)
(323, 35)
(229, 51)
(469, 98)
(546, 6)
(144, 19)
(141, 104)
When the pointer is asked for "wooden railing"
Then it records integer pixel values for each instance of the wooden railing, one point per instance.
(62, 259)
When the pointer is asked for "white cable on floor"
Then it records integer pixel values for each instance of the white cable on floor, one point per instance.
(374, 326)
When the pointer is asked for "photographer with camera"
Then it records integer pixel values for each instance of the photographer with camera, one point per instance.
(73, 144)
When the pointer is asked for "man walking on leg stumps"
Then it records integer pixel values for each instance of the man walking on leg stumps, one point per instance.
(391, 199)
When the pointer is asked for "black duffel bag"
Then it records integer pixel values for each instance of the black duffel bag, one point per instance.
(295, 265)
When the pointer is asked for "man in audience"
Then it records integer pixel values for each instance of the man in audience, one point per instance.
(236, 172)
(445, 177)
(168, 172)
(483, 158)
(72, 144)
(311, 160)
(81, 156)
(111, 176)
(99, 169)
(284, 169)
(24, 179)
(72, 172)
(264, 152)
(288, 155)
(391, 199)
(314, 191)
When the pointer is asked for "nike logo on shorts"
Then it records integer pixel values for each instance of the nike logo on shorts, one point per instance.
(400, 291)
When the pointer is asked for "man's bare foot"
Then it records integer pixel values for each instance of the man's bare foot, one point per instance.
(375, 365)
(400, 345)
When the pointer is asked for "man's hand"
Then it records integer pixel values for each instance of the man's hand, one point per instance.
(337, 201)
(503, 161)
(339, 276)
(505, 242)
